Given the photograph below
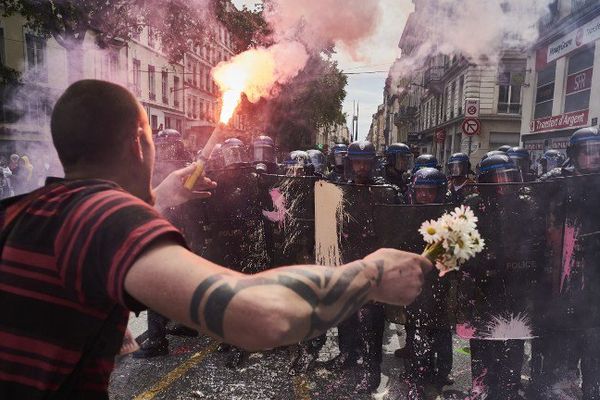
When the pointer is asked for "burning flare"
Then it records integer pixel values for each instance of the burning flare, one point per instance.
(256, 73)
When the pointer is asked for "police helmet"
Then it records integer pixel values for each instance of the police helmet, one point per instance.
(504, 148)
(552, 159)
(459, 165)
(361, 150)
(317, 160)
(498, 169)
(584, 150)
(429, 185)
(215, 161)
(425, 161)
(337, 154)
(520, 157)
(263, 150)
(233, 152)
(399, 156)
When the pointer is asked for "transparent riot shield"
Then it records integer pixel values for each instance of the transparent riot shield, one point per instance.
(500, 288)
(235, 230)
(289, 218)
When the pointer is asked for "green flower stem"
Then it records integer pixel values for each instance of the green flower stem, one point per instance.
(433, 251)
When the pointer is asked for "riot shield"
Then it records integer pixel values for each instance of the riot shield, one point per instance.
(289, 218)
(573, 226)
(235, 229)
(190, 219)
(397, 227)
(500, 288)
(358, 226)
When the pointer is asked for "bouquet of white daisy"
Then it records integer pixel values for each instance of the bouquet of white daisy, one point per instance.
(452, 239)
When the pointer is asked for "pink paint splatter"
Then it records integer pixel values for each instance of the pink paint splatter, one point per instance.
(279, 203)
(478, 388)
(465, 331)
(569, 238)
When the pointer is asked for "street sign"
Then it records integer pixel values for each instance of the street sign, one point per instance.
(471, 126)
(472, 108)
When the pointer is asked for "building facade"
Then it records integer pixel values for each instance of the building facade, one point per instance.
(427, 104)
(181, 96)
(563, 77)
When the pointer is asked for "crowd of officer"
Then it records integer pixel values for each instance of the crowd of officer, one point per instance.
(496, 189)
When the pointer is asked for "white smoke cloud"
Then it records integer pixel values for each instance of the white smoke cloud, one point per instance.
(476, 29)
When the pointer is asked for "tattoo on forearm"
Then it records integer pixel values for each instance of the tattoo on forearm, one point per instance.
(331, 292)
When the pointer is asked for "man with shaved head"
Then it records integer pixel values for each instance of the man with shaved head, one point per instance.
(81, 252)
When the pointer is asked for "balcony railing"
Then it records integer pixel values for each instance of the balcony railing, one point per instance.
(433, 76)
(405, 114)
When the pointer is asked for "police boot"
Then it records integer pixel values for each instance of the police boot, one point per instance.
(341, 362)
(236, 358)
(369, 380)
(414, 391)
(152, 348)
(303, 362)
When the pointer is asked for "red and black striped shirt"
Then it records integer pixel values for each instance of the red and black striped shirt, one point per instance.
(66, 249)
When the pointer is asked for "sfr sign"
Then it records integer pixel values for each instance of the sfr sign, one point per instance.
(579, 81)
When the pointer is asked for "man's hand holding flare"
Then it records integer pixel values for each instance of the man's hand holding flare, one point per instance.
(206, 152)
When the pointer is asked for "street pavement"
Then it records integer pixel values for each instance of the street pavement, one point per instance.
(195, 369)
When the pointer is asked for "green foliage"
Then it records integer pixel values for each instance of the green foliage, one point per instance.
(247, 27)
(311, 101)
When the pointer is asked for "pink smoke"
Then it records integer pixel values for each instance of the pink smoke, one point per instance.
(279, 202)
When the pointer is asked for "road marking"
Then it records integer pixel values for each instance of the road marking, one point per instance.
(177, 373)
(301, 388)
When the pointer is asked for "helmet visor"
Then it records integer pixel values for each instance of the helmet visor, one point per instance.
(338, 158)
(403, 162)
(502, 176)
(318, 161)
(232, 155)
(588, 156)
(264, 154)
(426, 194)
(458, 169)
(521, 163)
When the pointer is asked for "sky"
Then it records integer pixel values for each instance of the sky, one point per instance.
(376, 54)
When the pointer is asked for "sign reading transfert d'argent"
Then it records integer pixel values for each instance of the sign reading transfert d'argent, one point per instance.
(586, 34)
(563, 121)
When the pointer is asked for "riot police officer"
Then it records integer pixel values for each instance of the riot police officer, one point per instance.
(317, 162)
(499, 290)
(571, 338)
(337, 159)
(505, 148)
(551, 159)
(425, 161)
(520, 157)
(428, 331)
(362, 333)
(263, 155)
(459, 170)
(233, 153)
(398, 163)
(297, 163)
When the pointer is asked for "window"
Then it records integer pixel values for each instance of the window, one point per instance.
(151, 82)
(176, 90)
(579, 80)
(167, 122)
(202, 113)
(2, 56)
(178, 125)
(544, 97)
(151, 41)
(36, 56)
(189, 107)
(461, 94)
(165, 87)
(195, 108)
(154, 122)
(194, 74)
(137, 77)
(452, 99)
(509, 92)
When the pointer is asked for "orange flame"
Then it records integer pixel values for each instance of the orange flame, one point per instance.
(255, 72)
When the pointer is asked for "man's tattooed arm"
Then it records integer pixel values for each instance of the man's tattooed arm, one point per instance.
(326, 296)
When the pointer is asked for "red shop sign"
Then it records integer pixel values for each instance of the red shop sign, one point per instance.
(440, 135)
(563, 121)
(579, 81)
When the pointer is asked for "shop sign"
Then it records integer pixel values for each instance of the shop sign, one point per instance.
(563, 121)
(588, 33)
(580, 81)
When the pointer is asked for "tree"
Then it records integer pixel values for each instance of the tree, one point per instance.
(311, 101)
(248, 27)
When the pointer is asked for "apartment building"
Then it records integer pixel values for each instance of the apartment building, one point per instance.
(562, 92)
